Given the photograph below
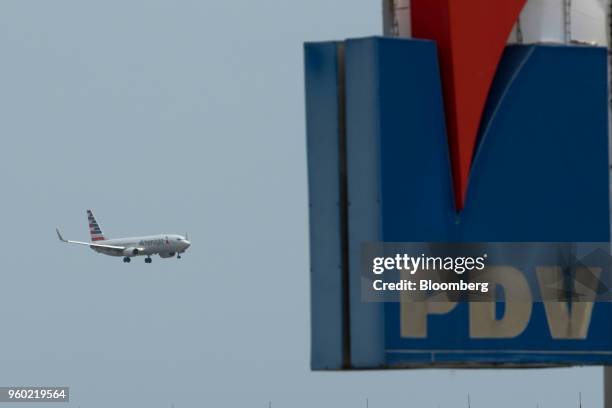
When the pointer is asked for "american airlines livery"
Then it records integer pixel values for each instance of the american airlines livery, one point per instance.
(165, 245)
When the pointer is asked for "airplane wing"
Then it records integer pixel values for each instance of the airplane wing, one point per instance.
(89, 244)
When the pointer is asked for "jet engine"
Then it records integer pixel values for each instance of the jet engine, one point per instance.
(167, 254)
(131, 251)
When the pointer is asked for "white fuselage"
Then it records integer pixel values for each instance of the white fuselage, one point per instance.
(166, 245)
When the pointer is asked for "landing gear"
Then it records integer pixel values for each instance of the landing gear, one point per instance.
(178, 256)
(148, 259)
(127, 259)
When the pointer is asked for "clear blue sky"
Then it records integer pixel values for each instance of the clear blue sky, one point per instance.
(183, 116)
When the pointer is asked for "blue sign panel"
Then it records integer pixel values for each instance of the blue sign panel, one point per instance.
(540, 174)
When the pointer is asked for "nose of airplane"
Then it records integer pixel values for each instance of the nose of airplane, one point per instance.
(187, 244)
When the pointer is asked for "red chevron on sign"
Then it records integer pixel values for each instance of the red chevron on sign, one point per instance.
(471, 36)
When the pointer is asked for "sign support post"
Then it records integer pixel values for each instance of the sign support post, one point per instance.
(607, 387)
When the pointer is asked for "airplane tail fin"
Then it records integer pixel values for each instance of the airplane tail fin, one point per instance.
(94, 228)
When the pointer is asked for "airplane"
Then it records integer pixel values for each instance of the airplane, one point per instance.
(165, 245)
